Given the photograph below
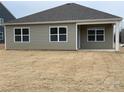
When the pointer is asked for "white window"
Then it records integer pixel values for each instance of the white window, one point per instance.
(96, 35)
(58, 34)
(1, 21)
(21, 35)
(1, 35)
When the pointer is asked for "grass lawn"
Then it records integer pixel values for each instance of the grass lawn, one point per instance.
(61, 71)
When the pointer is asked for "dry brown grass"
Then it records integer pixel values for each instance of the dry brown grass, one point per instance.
(61, 71)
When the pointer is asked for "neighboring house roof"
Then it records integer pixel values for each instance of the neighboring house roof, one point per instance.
(5, 13)
(70, 11)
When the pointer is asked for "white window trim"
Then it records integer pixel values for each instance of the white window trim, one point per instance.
(96, 28)
(1, 21)
(21, 34)
(58, 33)
(1, 35)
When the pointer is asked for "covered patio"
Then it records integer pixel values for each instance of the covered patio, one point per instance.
(98, 35)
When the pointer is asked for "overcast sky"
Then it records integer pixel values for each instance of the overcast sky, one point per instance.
(23, 8)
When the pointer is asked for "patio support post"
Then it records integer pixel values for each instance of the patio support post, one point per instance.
(5, 36)
(117, 36)
(76, 37)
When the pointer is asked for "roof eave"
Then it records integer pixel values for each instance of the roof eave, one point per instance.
(66, 21)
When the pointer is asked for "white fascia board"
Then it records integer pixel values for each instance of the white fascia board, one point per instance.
(68, 21)
(97, 22)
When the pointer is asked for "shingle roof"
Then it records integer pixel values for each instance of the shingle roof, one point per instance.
(5, 13)
(70, 11)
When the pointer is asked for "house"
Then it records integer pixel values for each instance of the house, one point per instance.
(5, 16)
(66, 27)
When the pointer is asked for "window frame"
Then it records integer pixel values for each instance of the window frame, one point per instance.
(1, 21)
(21, 34)
(2, 36)
(58, 39)
(95, 29)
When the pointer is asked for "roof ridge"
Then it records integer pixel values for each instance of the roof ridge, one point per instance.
(42, 11)
(67, 4)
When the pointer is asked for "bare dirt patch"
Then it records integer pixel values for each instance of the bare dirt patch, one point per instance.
(61, 71)
(2, 46)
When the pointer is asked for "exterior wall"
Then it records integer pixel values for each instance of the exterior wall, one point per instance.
(108, 44)
(122, 36)
(39, 38)
(2, 30)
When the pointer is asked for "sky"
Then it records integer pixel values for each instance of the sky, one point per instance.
(24, 8)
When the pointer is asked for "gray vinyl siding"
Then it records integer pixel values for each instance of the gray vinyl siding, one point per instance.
(39, 38)
(108, 44)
